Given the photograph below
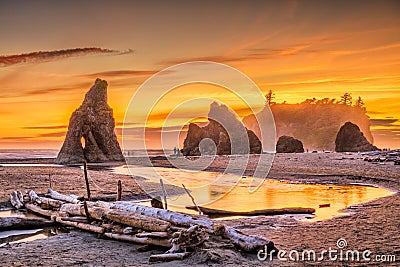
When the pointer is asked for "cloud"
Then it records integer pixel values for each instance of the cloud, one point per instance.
(252, 54)
(41, 91)
(44, 56)
(366, 50)
(53, 134)
(16, 138)
(388, 122)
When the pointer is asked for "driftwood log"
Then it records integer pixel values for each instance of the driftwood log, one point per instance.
(14, 223)
(218, 212)
(181, 233)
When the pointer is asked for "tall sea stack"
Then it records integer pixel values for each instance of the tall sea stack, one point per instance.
(91, 135)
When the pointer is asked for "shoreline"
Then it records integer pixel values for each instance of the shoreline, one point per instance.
(370, 225)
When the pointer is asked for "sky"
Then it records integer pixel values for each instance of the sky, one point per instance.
(52, 51)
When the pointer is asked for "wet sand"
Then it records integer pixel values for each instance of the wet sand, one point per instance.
(374, 225)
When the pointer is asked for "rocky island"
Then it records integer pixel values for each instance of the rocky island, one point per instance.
(91, 135)
(224, 133)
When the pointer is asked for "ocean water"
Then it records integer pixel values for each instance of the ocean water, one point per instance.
(28, 153)
(52, 153)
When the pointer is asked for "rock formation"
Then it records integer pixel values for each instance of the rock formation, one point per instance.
(224, 135)
(93, 124)
(351, 139)
(288, 144)
(316, 125)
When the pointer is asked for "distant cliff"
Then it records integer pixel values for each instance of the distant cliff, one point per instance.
(315, 125)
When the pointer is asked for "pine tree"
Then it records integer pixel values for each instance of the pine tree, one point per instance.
(270, 96)
(346, 99)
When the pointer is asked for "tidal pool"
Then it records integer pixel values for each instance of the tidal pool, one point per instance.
(229, 192)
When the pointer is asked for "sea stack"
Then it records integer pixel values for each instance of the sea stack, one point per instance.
(224, 135)
(351, 139)
(288, 144)
(91, 135)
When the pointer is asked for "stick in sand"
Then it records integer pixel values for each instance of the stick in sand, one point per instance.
(190, 195)
(86, 179)
(87, 212)
(164, 193)
(119, 191)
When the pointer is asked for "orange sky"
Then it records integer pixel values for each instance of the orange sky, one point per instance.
(299, 49)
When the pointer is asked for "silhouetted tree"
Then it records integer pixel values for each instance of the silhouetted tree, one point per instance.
(346, 99)
(270, 96)
(359, 102)
(310, 101)
(324, 101)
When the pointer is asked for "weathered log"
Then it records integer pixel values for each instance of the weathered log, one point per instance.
(129, 231)
(21, 197)
(39, 210)
(218, 212)
(72, 209)
(136, 220)
(83, 226)
(180, 219)
(51, 202)
(168, 256)
(153, 234)
(140, 240)
(79, 219)
(55, 195)
(34, 197)
(15, 201)
(188, 238)
(249, 243)
(13, 223)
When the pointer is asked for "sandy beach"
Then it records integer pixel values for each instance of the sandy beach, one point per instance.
(373, 225)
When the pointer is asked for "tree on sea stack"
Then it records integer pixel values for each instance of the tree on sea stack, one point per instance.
(94, 123)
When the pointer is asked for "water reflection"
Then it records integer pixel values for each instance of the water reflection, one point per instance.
(271, 194)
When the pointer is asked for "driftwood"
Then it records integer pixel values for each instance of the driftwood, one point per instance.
(34, 197)
(55, 195)
(39, 210)
(15, 201)
(86, 179)
(192, 198)
(176, 218)
(218, 212)
(13, 223)
(51, 202)
(130, 222)
(249, 243)
(83, 226)
(168, 256)
(140, 240)
(119, 191)
(153, 234)
(192, 237)
(79, 219)
(164, 193)
(136, 220)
